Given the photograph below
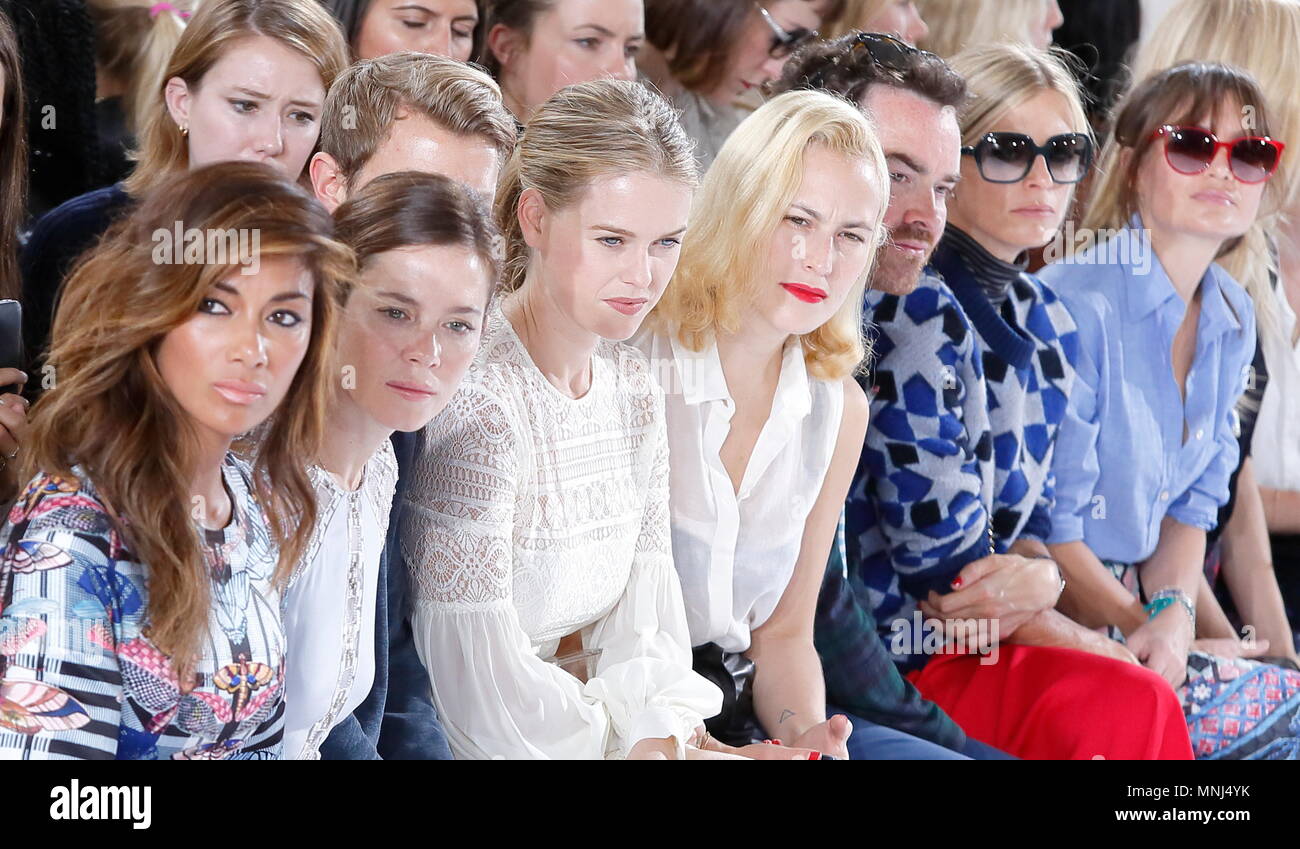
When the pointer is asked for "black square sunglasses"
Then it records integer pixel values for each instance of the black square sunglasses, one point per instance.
(1009, 157)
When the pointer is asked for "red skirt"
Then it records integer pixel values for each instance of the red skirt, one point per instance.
(1041, 703)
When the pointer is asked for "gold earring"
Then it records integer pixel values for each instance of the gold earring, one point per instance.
(185, 130)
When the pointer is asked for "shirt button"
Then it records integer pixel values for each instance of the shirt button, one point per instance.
(1200, 434)
(1164, 496)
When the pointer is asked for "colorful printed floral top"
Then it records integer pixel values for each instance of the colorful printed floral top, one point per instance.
(78, 678)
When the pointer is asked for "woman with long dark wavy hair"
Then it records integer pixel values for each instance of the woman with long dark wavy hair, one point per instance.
(140, 584)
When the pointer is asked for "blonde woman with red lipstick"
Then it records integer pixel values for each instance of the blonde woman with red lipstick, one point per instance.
(757, 341)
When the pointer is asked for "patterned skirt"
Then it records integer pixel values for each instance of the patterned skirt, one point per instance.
(1236, 709)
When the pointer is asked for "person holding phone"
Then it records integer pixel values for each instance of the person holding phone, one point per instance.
(13, 406)
(13, 206)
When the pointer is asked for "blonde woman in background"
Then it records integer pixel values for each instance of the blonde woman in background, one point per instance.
(898, 17)
(1263, 37)
(957, 24)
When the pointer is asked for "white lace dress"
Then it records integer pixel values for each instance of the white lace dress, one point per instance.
(533, 516)
(329, 607)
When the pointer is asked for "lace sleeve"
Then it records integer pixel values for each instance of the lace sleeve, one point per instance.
(459, 525)
(496, 697)
(644, 674)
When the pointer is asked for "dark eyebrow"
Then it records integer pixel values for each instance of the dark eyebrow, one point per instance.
(598, 28)
(413, 7)
(909, 162)
(283, 296)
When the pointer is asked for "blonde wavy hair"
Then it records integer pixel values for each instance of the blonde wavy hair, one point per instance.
(958, 24)
(583, 133)
(301, 25)
(738, 209)
(112, 415)
(1263, 38)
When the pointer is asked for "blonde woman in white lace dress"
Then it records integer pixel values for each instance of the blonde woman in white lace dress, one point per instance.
(537, 522)
(429, 263)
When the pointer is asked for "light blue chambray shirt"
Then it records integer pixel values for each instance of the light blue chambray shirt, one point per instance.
(1121, 464)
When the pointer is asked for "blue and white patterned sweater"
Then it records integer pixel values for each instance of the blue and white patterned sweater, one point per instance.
(966, 400)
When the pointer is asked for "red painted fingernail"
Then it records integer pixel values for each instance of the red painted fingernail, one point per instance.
(815, 756)
(957, 582)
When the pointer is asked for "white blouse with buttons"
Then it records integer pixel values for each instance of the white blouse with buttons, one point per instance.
(329, 608)
(735, 551)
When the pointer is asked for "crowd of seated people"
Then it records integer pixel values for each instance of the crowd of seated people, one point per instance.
(650, 380)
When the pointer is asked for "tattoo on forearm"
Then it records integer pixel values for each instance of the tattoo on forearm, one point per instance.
(785, 714)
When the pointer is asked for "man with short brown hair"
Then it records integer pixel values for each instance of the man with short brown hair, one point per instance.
(411, 112)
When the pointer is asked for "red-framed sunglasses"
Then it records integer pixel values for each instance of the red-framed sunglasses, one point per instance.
(1190, 150)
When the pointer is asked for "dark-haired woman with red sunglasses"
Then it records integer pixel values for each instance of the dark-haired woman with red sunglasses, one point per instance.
(1166, 337)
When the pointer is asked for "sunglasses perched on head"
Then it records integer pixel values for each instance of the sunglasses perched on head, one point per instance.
(1009, 157)
(885, 51)
(1190, 150)
(785, 42)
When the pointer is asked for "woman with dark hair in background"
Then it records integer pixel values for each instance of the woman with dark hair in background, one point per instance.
(376, 28)
(536, 47)
(1102, 33)
(707, 54)
(13, 210)
(134, 40)
(56, 44)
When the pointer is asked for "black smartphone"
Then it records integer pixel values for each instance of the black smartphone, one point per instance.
(11, 340)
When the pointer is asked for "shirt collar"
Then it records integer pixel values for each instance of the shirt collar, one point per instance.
(1150, 292)
(702, 379)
